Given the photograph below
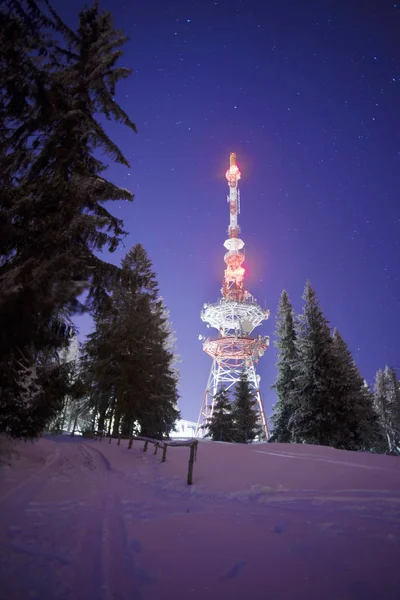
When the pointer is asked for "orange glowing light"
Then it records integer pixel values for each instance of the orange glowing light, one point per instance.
(233, 173)
(235, 275)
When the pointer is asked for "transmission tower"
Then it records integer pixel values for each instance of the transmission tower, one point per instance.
(235, 316)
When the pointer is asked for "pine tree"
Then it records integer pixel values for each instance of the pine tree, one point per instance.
(68, 358)
(284, 385)
(158, 414)
(75, 409)
(129, 355)
(387, 403)
(99, 368)
(220, 425)
(244, 414)
(80, 407)
(53, 84)
(313, 417)
(36, 388)
(394, 403)
(152, 395)
(355, 424)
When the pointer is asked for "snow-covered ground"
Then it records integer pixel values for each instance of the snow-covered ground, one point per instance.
(83, 520)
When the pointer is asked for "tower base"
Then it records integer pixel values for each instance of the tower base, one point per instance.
(223, 375)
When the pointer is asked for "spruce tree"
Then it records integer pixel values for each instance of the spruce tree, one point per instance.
(32, 396)
(99, 369)
(75, 410)
(129, 355)
(220, 424)
(387, 403)
(313, 417)
(284, 385)
(149, 396)
(394, 403)
(54, 82)
(158, 412)
(355, 424)
(244, 414)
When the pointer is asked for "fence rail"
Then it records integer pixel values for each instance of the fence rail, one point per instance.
(158, 444)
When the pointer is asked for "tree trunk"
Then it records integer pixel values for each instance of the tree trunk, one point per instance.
(95, 413)
(93, 425)
(127, 425)
(102, 419)
(124, 429)
(75, 423)
(109, 426)
(64, 414)
(117, 419)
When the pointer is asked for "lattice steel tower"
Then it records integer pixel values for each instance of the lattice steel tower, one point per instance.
(235, 316)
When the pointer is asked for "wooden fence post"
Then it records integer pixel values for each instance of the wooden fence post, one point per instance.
(164, 454)
(193, 445)
(190, 470)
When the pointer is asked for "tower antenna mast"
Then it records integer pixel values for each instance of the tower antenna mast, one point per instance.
(235, 316)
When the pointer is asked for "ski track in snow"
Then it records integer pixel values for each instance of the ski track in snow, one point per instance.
(318, 459)
(43, 540)
(85, 527)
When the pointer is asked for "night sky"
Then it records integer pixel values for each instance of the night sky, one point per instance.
(307, 94)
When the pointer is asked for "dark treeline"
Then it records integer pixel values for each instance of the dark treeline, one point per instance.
(321, 396)
(56, 87)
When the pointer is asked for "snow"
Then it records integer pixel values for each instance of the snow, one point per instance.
(27, 379)
(87, 520)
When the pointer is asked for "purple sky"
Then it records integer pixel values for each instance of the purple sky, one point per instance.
(307, 94)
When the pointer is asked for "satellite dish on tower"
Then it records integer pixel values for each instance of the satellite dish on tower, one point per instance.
(247, 326)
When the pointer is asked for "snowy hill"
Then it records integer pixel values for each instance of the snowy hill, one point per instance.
(84, 520)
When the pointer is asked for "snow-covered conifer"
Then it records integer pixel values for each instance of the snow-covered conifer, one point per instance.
(284, 385)
(220, 425)
(387, 403)
(54, 82)
(354, 421)
(246, 423)
(312, 419)
(130, 357)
